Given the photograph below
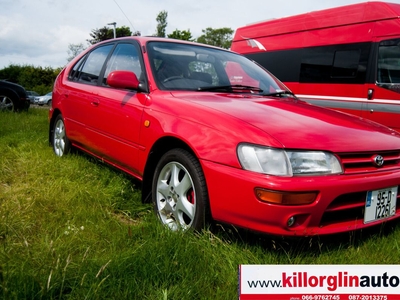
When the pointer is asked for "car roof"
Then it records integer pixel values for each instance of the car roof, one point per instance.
(145, 39)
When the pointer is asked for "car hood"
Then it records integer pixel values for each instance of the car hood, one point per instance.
(297, 124)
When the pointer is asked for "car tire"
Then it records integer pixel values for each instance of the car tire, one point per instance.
(179, 191)
(49, 103)
(7, 102)
(60, 142)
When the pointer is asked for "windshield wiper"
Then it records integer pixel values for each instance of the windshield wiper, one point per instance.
(231, 88)
(280, 93)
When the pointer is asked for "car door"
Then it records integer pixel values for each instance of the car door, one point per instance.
(383, 105)
(117, 113)
(80, 98)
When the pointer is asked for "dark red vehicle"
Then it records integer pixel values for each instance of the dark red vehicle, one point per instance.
(346, 58)
(213, 136)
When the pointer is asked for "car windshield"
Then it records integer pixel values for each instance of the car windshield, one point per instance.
(178, 66)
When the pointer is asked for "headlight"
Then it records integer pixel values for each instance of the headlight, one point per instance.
(287, 163)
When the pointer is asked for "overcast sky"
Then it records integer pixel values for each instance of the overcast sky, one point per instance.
(38, 32)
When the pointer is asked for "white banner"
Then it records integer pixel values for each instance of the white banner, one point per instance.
(353, 282)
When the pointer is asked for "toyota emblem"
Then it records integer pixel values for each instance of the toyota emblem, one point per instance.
(378, 160)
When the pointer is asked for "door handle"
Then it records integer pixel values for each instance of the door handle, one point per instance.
(370, 94)
(95, 102)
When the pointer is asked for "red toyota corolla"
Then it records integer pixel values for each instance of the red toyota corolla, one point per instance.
(213, 136)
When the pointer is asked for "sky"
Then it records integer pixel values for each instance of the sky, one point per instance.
(38, 32)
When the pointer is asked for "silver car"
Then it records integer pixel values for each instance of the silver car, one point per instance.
(31, 96)
(45, 99)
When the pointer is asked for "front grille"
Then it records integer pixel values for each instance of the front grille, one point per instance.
(354, 163)
(348, 207)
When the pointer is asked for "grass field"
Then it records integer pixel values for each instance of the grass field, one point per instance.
(73, 228)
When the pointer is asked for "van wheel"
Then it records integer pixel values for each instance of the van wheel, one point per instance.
(179, 191)
(60, 141)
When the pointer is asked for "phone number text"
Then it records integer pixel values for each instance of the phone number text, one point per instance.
(320, 297)
(348, 297)
(367, 297)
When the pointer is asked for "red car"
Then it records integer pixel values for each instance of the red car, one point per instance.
(213, 136)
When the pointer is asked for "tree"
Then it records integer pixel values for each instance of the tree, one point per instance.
(220, 37)
(101, 34)
(74, 50)
(185, 35)
(32, 78)
(161, 23)
(124, 31)
(106, 33)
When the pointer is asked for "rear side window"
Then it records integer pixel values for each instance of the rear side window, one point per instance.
(88, 68)
(316, 64)
(345, 63)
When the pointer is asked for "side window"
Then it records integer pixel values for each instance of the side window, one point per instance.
(345, 64)
(74, 73)
(125, 57)
(316, 64)
(389, 61)
(88, 69)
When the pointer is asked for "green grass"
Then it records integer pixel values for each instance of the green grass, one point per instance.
(73, 228)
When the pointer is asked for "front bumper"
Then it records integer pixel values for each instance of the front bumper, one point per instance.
(233, 200)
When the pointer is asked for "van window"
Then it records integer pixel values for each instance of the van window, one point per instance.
(345, 64)
(389, 61)
(316, 64)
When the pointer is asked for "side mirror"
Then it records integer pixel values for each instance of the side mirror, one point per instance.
(123, 80)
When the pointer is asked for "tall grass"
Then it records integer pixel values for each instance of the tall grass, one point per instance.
(73, 228)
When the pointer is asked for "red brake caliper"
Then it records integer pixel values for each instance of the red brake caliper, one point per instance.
(190, 196)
